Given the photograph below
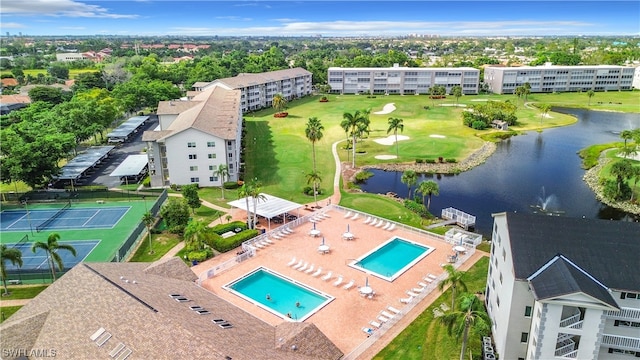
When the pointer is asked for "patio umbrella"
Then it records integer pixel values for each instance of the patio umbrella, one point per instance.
(323, 240)
(348, 228)
(314, 226)
(366, 281)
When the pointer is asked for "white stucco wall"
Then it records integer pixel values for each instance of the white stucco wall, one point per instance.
(178, 161)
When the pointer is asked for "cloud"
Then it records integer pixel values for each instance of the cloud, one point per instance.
(72, 27)
(13, 25)
(234, 18)
(68, 8)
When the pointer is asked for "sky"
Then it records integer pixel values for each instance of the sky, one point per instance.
(326, 18)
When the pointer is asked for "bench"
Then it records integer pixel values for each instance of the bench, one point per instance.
(99, 201)
(14, 282)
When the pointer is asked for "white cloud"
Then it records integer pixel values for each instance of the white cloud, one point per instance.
(69, 8)
(233, 18)
(13, 25)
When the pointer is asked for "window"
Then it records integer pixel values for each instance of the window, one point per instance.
(193, 168)
(213, 167)
(213, 178)
(193, 156)
(195, 179)
(230, 155)
(524, 337)
(211, 156)
(191, 144)
(527, 311)
(211, 144)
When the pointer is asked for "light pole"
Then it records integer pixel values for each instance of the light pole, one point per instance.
(26, 205)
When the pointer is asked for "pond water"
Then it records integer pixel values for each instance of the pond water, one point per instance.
(525, 173)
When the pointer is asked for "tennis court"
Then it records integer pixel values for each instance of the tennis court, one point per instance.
(38, 260)
(61, 219)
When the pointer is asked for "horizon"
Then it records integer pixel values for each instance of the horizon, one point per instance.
(332, 19)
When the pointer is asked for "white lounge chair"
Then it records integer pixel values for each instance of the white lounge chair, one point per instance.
(383, 319)
(422, 284)
(428, 279)
(317, 273)
(367, 220)
(268, 241)
(327, 276)
(355, 216)
(325, 215)
(368, 331)
(380, 223)
(257, 245)
(374, 222)
(375, 323)
(347, 214)
(309, 270)
(276, 236)
(390, 228)
(298, 265)
(304, 267)
(293, 261)
(313, 220)
(406, 300)
(393, 310)
(338, 281)
(387, 226)
(386, 314)
(411, 294)
(286, 231)
(349, 285)
(431, 276)
(418, 290)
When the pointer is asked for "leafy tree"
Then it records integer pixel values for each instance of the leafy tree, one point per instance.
(470, 316)
(410, 178)
(352, 123)
(622, 170)
(544, 109)
(279, 103)
(395, 124)
(52, 95)
(175, 213)
(429, 188)
(314, 178)
(313, 133)
(58, 70)
(223, 173)
(14, 256)
(456, 91)
(590, 94)
(635, 175)
(196, 234)
(255, 193)
(148, 219)
(190, 194)
(138, 93)
(114, 74)
(51, 247)
(626, 135)
(88, 80)
(455, 279)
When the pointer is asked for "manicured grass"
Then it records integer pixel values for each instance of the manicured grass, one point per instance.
(206, 214)
(382, 207)
(427, 338)
(214, 196)
(604, 101)
(161, 244)
(34, 72)
(591, 154)
(22, 292)
(7, 311)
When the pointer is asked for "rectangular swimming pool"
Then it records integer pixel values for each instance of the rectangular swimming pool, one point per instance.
(392, 258)
(281, 296)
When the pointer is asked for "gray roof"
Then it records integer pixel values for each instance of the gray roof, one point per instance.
(131, 166)
(560, 277)
(126, 128)
(85, 160)
(131, 302)
(606, 249)
(246, 79)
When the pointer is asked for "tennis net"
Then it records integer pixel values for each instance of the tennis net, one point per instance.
(55, 216)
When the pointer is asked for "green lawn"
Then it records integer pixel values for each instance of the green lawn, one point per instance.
(426, 338)
(161, 244)
(7, 311)
(34, 72)
(23, 292)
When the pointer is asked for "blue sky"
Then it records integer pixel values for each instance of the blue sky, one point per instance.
(327, 18)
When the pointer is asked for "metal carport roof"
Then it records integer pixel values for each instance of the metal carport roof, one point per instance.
(131, 166)
(269, 207)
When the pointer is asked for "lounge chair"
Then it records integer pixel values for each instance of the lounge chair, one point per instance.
(309, 270)
(293, 261)
(386, 314)
(368, 331)
(367, 220)
(373, 222)
(355, 216)
(428, 279)
(317, 273)
(338, 281)
(347, 214)
(349, 285)
(312, 220)
(445, 307)
(325, 215)
(393, 226)
(304, 267)
(327, 276)
(422, 284)
(268, 241)
(298, 265)
(257, 245)
(383, 319)
(276, 236)
(406, 300)
(393, 310)
(431, 276)
(411, 294)
(375, 323)
(380, 223)
(386, 226)
(418, 290)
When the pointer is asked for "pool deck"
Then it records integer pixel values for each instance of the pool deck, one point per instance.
(342, 319)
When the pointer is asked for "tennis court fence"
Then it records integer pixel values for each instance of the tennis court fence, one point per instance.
(46, 223)
(24, 240)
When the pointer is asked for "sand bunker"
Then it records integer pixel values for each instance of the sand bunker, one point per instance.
(385, 157)
(387, 109)
(391, 139)
(458, 105)
(480, 100)
(437, 136)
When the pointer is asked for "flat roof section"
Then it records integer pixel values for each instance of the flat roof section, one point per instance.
(131, 166)
(129, 126)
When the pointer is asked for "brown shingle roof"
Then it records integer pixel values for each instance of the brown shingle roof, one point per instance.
(244, 79)
(15, 99)
(174, 107)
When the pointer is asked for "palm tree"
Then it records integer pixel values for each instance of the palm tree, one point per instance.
(454, 278)
(354, 123)
(527, 91)
(314, 177)
(519, 93)
(622, 170)
(279, 102)
(471, 315)
(345, 126)
(257, 196)
(456, 91)
(590, 94)
(15, 257)
(410, 178)
(51, 247)
(222, 172)
(148, 219)
(429, 188)
(544, 108)
(635, 173)
(314, 133)
(395, 124)
(244, 192)
(195, 234)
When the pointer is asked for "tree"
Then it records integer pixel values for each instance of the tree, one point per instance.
(190, 194)
(148, 219)
(244, 192)
(429, 188)
(410, 178)
(626, 135)
(58, 70)
(195, 234)
(590, 94)
(314, 134)
(353, 122)
(314, 178)
(395, 124)
(635, 174)
(279, 103)
(175, 213)
(51, 247)
(456, 91)
(12, 255)
(622, 170)
(544, 108)
(255, 193)
(88, 80)
(470, 316)
(52, 95)
(519, 93)
(223, 173)
(455, 279)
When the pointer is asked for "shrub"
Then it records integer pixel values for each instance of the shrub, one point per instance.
(230, 185)
(232, 242)
(202, 255)
(223, 228)
(416, 207)
(430, 161)
(478, 125)
(451, 160)
(362, 176)
(419, 161)
(440, 159)
(308, 190)
(146, 182)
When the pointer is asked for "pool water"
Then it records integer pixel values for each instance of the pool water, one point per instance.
(285, 296)
(392, 258)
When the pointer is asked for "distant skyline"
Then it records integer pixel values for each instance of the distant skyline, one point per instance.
(326, 18)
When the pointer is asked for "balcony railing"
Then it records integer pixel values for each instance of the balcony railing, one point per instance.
(630, 314)
(622, 342)
(572, 321)
(566, 349)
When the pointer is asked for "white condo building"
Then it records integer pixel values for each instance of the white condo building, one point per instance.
(257, 90)
(556, 78)
(195, 137)
(401, 80)
(564, 288)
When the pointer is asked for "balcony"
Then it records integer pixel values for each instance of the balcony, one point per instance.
(630, 314)
(622, 342)
(572, 321)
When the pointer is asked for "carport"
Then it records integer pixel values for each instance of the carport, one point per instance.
(134, 166)
(80, 165)
(268, 206)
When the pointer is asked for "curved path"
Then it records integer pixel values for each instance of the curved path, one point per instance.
(335, 198)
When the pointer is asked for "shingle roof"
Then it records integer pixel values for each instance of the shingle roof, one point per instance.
(245, 79)
(560, 277)
(131, 302)
(174, 106)
(606, 249)
(305, 338)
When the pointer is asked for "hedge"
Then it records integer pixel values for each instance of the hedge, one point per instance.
(232, 242)
(223, 228)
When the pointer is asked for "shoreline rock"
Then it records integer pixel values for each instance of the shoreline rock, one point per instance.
(592, 177)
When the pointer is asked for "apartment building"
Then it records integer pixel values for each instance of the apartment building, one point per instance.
(401, 80)
(257, 90)
(552, 78)
(195, 137)
(564, 288)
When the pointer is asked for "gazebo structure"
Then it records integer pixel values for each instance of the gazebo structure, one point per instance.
(267, 206)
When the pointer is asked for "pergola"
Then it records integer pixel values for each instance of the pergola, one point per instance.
(268, 206)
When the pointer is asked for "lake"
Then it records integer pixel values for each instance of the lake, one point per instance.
(526, 171)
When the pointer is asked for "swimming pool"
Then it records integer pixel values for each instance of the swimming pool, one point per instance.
(281, 296)
(392, 258)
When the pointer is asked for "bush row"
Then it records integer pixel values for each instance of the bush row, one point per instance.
(232, 242)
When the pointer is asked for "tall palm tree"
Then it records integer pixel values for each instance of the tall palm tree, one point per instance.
(314, 133)
(255, 193)
(353, 122)
(314, 177)
(223, 173)
(470, 316)
(429, 188)
(195, 234)
(635, 173)
(410, 178)
(527, 91)
(454, 278)
(12, 255)
(590, 94)
(279, 102)
(544, 108)
(456, 91)
(148, 219)
(345, 126)
(244, 192)
(622, 170)
(395, 124)
(51, 247)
